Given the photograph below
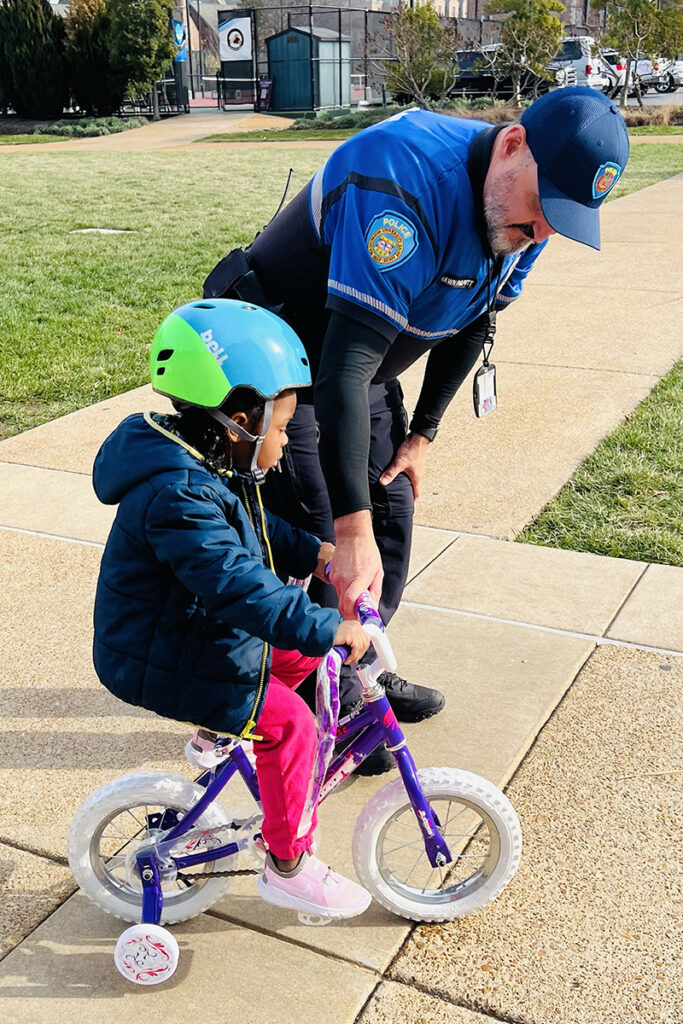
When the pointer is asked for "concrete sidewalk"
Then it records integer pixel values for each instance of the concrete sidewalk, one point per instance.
(587, 930)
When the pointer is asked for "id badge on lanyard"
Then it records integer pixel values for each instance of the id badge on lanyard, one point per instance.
(484, 395)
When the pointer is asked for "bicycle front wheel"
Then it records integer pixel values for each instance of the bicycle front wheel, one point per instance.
(477, 821)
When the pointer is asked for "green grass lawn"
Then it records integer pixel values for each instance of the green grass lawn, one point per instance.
(21, 140)
(626, 500)
(657, 129)
(79, 311)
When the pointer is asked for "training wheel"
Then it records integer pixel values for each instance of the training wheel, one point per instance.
(146, 954)
(313, 920)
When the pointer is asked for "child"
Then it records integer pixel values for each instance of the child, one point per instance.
(190, 620)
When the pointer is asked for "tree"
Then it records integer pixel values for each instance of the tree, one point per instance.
(141, 42)
(32, 65)
(424, 64)
(637, 28)
(97, 83)
(530, 37)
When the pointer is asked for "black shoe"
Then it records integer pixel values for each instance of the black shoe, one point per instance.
(376, 763)
(411, 703)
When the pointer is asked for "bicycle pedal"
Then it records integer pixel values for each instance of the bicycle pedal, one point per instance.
(313, 920)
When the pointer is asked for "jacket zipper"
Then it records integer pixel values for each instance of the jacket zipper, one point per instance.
(247, 733)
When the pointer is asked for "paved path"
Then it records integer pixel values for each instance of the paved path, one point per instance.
(586, 932)
(171, 133)
(188, 129)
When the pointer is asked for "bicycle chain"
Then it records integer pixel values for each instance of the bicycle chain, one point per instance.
(198, 875)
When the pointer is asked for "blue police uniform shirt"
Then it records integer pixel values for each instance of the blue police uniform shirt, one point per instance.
(395, 209)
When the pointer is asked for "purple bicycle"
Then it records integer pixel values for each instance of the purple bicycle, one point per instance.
(432, 845)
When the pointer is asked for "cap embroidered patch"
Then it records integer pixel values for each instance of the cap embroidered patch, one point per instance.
(390, 239)
(605, 179)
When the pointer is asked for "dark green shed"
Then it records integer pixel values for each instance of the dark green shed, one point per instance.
(310, 69)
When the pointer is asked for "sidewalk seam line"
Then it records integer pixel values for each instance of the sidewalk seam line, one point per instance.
(434, 559)
(598, 640)
(369, 999)
(61, 861)
(44, 469)
(24, 938)
(262, 930)
(52, 536)
(446, 998)
(588, 369)
(623, 603)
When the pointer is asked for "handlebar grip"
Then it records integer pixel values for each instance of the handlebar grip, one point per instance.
(366, 611)
(343, 650)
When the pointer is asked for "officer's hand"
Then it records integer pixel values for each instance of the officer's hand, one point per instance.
(351, 634)
(410, 459)
(356, 564)
(324, 558)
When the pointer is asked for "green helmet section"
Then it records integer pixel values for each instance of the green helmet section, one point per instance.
(206, 348)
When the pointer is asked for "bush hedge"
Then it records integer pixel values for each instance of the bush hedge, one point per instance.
(85, 127)
(484, 109)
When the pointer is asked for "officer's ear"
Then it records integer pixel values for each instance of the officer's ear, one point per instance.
(513, 143)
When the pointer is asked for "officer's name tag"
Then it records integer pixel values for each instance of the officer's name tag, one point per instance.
(484, 390)
(451, 281)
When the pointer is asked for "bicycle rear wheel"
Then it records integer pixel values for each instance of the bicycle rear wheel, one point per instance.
(113, 823)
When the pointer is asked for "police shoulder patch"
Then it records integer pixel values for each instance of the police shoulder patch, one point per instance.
(390, 239)
(606, 177)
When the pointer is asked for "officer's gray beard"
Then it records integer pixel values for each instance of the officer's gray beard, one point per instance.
(497, 219)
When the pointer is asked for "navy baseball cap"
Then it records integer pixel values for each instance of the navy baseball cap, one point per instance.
(579, 141)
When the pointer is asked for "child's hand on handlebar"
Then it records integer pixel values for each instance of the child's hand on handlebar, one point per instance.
(324, 558)
(351, 634)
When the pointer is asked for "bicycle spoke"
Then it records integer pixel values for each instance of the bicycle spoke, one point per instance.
(414, 866)
(448, 815)
(428, 880)
(405, 846)
(137, 821)
(112, 861)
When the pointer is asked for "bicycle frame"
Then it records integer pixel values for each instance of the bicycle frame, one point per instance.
(374, 725)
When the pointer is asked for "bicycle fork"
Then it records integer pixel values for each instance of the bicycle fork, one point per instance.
(376, 701)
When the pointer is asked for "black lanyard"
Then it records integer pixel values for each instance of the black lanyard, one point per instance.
(491, 310)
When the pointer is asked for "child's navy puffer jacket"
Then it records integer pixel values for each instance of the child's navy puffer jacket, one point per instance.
(186, 610)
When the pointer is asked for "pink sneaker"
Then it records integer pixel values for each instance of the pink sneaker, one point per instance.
(313, 888)
(204, 750)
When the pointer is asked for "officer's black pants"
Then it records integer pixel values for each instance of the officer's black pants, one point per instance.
(299, 495)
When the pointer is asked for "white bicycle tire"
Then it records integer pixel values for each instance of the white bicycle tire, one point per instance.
(133, 790)
(475, 793)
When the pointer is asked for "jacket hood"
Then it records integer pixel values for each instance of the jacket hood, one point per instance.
(139, 448)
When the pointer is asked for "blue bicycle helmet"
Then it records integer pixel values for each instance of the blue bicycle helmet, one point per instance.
(205, 349)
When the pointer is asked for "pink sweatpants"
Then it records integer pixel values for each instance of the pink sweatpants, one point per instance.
(284, 757)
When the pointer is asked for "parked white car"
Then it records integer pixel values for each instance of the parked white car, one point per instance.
(671, 72)
(580, 53)
(647, 72)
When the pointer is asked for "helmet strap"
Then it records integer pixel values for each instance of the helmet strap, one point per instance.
(257, 439)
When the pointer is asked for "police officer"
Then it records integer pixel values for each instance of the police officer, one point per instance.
(410, 238)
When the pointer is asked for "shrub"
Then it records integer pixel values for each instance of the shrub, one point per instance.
(636, 116)
(86, 127)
